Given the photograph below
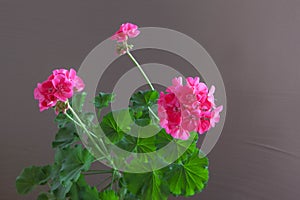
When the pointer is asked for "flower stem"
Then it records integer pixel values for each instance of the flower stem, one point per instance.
(75, 122)
(153, 113)
(80, 122)
(89, 134)
(113, 179)
(145, 76)
(140, 68)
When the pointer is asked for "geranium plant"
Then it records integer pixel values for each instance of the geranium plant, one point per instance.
(185, 110)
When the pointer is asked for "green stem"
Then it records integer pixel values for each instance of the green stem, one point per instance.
(145, 76)
(152, 112)
(75, 122)
(80, 122)
(89, 133)
(99, 113)
(140, 68)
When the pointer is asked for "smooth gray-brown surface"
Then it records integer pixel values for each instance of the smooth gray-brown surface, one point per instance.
(255, 43)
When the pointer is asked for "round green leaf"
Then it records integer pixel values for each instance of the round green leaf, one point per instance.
(103, 99)
(189, 176)
(115, 124)
(81, 190)
(147, 185)
(31, 177)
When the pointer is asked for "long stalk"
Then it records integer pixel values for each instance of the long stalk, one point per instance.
(145, 76)
(140, 68)
(89, 134)
(80, 122)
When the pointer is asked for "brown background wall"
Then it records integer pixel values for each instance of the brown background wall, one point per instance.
(256, 45)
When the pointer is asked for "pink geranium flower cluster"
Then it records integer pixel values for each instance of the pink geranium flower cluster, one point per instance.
(58, 88)
(126, 31)
(186, 108)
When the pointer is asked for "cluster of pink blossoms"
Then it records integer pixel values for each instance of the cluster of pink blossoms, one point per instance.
(187, 108)
(126, 31)
(57, 89)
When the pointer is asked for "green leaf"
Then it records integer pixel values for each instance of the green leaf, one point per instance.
(61, 191)
(147, 185)
(139, 106)
(144, 98)
(76, 161)
(182, 149)
(43, 196)
(31, 177)
(129, 196)
(65, 137)
(103, 99)
(62, 120)
(188, 177)
(78, 101)
(116, 124)
(46, 196)
(108, 195)
(137, 145)
(139, 140)
(81, 191)
(69, 163)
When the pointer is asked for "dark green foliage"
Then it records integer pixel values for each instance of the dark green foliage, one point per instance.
(81, 190)
(188, 176)
(103, 100)
(133, 130)
(108, 195)
(140, 103)
(65, 136)
(31, 177)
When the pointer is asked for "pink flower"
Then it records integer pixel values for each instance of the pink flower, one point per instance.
(120, 36)
(126, 31)
(190, 119)
(204, 123)
(187, 108)
(130, 29)
(215, 116)
(57, 89)
(186, 96)
(71, 76)
(204, 126)
(204, 103)
(44, 92)
(180, 133)
(211, 97)
(169, 113)
(63, 86)
(177, 83)
(198, 87)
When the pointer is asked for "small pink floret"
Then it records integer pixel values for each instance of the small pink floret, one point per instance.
(126, 31)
